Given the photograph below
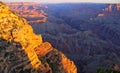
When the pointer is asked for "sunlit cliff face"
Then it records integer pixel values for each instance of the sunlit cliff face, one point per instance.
(41, 56)
(18, 33)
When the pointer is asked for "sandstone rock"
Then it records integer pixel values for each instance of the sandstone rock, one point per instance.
(22, 51)
(29, 10)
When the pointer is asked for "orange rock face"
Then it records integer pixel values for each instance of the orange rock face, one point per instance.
(68, 65)
(65, 64)
(29, 10)
(43, 49)
(23, 51)
(101, 15)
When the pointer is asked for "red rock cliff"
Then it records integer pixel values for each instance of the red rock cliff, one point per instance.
(29, 10)
(22, 51)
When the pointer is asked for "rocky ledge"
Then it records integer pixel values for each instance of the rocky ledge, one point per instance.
(23, 51)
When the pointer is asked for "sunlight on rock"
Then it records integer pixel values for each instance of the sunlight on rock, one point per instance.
(13, 28)
(17, 35)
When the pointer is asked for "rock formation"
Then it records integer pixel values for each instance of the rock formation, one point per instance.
(112, 7)
(29, 10)
(110, 10)
(22, 51)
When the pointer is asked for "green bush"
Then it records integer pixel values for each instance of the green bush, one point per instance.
(104, 70)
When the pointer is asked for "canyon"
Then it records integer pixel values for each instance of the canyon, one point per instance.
(23, 51)
(88, 34)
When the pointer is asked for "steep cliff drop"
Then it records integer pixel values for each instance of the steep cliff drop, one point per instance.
(22, 51)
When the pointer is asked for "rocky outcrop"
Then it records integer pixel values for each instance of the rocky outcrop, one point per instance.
(101, 14)
(112, 7)
(31, 11)
(110, 10)
(22, 51)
